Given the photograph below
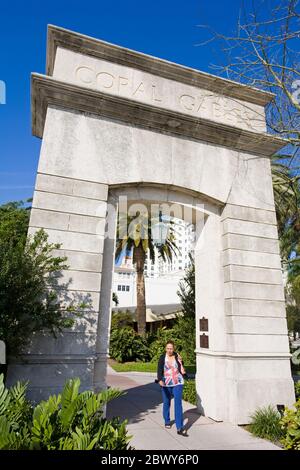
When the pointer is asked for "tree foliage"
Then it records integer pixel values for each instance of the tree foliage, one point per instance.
(186, 290)
(67, 421)
(29, 276)
(263, 52)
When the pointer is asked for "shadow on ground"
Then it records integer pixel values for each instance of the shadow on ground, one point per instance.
(144, 402)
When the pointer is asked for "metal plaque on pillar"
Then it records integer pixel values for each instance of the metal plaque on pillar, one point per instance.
(204, 341)
(203, 324)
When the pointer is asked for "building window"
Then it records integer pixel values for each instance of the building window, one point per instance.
(127, 288)
(123, 288)
(119, 287)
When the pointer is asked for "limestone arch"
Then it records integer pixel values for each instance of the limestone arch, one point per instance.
(96, 138)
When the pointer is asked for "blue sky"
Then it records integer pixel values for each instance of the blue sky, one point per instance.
(166, 29)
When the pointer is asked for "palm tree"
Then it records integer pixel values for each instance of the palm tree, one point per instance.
(135, 234)
(287, 202)
(286, 193)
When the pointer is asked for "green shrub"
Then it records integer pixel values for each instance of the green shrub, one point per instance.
(290, 424)
(67, 421)
(186, 291)
(157, 343)
(185, 332)
(266, 423)
(127, 345)
(121, 319)
(189, 391)
(183, 335)
(185, 326)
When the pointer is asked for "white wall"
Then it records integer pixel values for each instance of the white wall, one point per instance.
(161, 290)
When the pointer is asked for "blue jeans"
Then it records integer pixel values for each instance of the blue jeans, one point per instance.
(168, 393)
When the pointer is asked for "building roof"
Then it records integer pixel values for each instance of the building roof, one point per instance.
(155, 312)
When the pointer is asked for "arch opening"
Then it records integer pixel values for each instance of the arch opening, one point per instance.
(204, 217)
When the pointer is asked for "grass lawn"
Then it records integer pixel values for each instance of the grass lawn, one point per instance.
(141, 366)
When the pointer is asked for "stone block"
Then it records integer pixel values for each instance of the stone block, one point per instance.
(247, 227)
(80, 260)
(254, 274)
(255, 307)
(251, 290)
(251, 258)
(69, 204)
(250, 214)
(76, 241)
(256, 325)
(251, 243)
(71, 186)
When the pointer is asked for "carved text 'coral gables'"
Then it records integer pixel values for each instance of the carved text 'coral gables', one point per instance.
(145, 89)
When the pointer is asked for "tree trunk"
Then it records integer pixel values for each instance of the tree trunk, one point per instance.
(140, 290)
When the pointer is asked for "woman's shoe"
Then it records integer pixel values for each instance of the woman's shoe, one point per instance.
(168, 426)
(182, 432)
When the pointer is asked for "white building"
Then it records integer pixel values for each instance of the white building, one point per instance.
(185, 241)
(161, 278)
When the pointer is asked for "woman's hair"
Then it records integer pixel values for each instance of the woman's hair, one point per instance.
(170, 342)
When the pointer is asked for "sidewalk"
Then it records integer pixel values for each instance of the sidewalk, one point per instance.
(142, 406)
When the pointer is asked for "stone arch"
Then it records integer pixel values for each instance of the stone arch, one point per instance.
(213, 145)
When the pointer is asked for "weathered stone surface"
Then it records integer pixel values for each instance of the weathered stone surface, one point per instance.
(116, 79)
(251, 243)
(70, 204)
(73, 240)
(255, 307)
(71, 186)
(81, 261)
(253, 274)
(251, 258)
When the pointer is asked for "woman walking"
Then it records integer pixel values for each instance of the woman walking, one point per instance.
(170, 376)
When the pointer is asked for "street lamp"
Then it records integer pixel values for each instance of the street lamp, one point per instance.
(159, 231)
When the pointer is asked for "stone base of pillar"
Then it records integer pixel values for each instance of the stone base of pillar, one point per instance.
(47, 375)
(100, 371)
(231, 386)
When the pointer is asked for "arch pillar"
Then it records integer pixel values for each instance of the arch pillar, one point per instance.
(248, 351)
